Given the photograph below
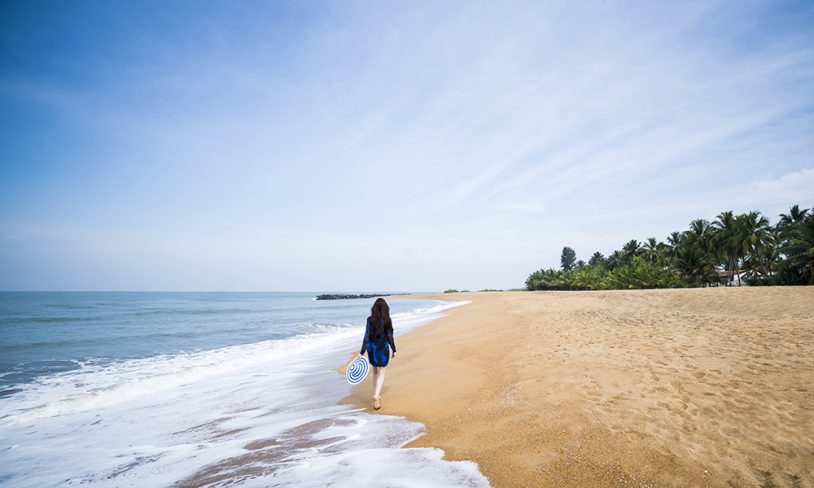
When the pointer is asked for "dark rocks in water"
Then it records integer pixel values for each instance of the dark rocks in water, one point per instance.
(349, 297)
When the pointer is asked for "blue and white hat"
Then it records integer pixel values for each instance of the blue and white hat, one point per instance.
(357, 370)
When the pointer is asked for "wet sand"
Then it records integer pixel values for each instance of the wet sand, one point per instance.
(653, 388)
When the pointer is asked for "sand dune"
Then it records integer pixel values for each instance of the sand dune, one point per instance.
(700, 387)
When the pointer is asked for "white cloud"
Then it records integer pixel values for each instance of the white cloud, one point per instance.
(467, 140)
(792, 188)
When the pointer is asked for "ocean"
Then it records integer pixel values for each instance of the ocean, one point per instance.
(199, 389)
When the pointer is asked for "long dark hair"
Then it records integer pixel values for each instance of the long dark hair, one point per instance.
(380, 312)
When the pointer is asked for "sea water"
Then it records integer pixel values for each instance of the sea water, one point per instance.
(199, 389)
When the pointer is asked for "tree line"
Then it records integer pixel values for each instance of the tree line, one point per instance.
(730, 250)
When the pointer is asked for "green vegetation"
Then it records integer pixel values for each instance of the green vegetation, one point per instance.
(731, 248)
(489, 290)
(568, 259)
(451, 290)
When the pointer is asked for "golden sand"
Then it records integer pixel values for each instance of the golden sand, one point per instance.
(685, 388)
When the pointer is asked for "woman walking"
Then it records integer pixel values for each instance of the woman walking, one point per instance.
(377, 343)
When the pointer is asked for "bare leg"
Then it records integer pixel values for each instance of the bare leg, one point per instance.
(375, 371)
(379, 379)
(375, 378)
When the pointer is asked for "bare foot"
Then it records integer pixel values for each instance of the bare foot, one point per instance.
(376, 403)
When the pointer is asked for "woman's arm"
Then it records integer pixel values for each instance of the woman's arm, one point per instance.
(366, 339)
(391, 341)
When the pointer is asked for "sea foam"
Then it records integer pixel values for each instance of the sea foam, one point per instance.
(260, 414)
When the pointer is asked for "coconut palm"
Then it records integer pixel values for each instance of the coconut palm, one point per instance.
(794, 216)
(651, 250)
(765, 262)
(631, 250)
(545, 279)
(640, 273)
(786, 225)
(725, 241)
(783, 254)
(694, 265)
(753, 237)
(800, 248)
(615, 260)
(696, 240)
(674, 238)
(700, 229)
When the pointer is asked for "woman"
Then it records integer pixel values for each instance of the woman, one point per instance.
(378, 336)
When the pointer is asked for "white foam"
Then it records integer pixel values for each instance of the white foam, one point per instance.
(153, 422)
(419, 468)
(96, 386)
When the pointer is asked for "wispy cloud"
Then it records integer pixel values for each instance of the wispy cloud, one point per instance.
(462, 143)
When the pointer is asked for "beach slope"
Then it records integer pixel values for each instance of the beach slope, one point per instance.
(695, 387)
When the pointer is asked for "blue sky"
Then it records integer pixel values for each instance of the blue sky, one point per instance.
(388, 145)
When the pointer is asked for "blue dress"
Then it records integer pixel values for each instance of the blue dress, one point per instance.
(378, 352)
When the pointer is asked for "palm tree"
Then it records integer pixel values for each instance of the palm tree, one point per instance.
(674, 239)
(640, 274)
(767, 260)
(753, 236)
(631, 250)
(694, 265)
(800, 248)
(650, 250)
(596, 259)
(546, 279)
(725, 241)
(615, 260)
(780, 254)
(699, 237)
(794, 216)
(785, 226)
(700, 229)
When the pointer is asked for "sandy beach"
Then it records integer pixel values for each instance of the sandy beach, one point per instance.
(684, 388)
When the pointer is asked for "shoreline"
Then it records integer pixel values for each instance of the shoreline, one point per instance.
(685, 387)
(260, 413)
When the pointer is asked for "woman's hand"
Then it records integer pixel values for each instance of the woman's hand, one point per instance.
(393, 355)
